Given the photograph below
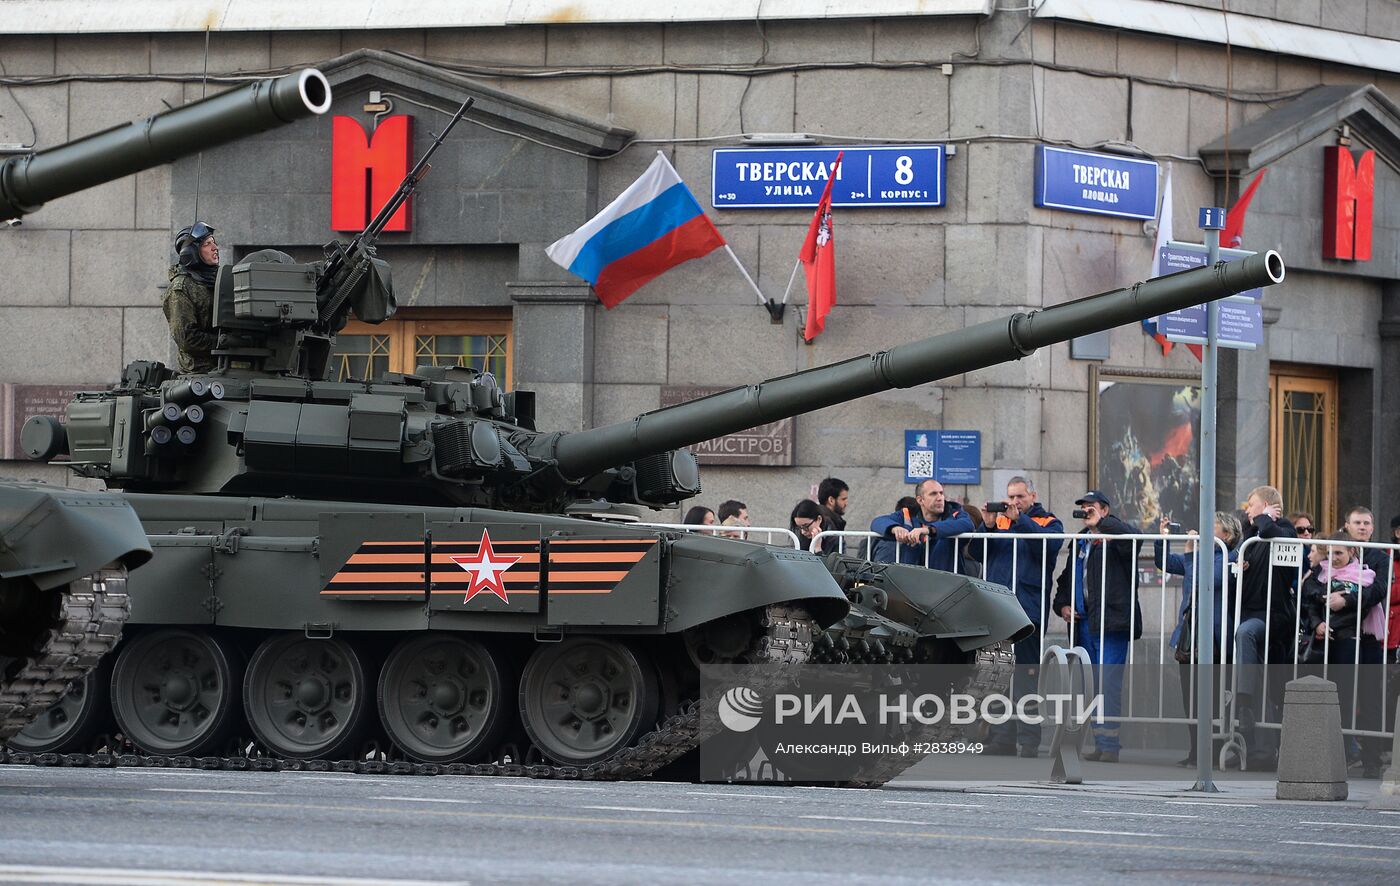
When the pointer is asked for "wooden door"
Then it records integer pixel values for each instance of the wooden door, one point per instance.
(1303, 441)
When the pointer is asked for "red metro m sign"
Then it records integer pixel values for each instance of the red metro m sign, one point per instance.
(366, 171)
(1348, 195)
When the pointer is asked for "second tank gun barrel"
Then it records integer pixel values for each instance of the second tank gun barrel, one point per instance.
(28, 182)
(585, 453)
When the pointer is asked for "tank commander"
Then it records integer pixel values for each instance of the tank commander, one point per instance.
(189, 302)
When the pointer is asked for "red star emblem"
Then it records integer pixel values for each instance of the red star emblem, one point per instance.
(486, 567)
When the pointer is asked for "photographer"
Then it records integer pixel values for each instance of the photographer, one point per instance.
(1027, 567)
(1097, 595)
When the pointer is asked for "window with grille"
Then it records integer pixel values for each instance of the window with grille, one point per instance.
(438, 338)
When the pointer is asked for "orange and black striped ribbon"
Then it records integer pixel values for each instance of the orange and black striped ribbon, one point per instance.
(381, 568)
(593, 565)
(575, 566)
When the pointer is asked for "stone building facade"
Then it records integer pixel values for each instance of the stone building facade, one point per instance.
(570, 114)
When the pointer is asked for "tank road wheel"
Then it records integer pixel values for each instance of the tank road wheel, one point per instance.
(83, 713)
(175, 692)
(442, 698)
(584, 699)
(306, 698)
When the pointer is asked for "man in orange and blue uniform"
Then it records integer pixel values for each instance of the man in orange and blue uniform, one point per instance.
(1026, 565)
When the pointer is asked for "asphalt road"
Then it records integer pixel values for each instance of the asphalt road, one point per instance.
(124, 826)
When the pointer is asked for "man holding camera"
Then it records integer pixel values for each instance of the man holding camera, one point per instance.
(1097, 595)
(1026, 565)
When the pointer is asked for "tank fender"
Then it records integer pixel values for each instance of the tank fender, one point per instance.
(971, 612)
(54, 535)
(709, 578)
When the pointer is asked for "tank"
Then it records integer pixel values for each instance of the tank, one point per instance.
(64, 553)
(409, 557)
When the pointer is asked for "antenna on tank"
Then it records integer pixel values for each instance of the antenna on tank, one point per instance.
(203, 89)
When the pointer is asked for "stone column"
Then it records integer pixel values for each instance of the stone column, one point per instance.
(553, 345)
(1387, 436)
(1243, 420)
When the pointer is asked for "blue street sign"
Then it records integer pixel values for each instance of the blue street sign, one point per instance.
(1211, 218)
(1185, 256)
(1241, 324)
(1103, 184)
(1186, 326)
(768, 178)
(945, 456)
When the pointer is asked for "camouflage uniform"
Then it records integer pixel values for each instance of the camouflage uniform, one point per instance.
(189, 308)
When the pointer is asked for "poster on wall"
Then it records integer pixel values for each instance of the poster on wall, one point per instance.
(1144, 439)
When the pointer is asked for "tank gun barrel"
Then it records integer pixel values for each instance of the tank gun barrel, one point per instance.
(585, 453)
(27, 182)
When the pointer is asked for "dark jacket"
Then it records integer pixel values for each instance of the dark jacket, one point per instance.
(1108, 589)
(832, 523)
(1376, 558)
(1184, 565)
(1034, 560)
(1254, 585)
(1361, 586)
(954, 522)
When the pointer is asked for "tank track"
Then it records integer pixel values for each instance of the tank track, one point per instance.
(786, 641)
(88, 623)
(991, 674)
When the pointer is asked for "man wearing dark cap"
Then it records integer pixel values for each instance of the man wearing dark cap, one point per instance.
(1097, 595)
(189, 302)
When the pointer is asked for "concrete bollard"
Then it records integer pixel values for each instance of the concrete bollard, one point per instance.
(1312, 764)
(1388, 797)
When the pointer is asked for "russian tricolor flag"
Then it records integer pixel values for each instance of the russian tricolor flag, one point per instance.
(650, 228)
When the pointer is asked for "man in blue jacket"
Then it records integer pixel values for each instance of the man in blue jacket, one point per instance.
(937, 521)
(1026, 565)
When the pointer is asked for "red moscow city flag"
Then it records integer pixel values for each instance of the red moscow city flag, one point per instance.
(818, 257)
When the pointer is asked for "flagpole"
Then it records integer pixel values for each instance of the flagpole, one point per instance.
(795, 265)
(775, 310)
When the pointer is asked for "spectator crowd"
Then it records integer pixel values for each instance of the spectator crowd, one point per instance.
(1339, 608)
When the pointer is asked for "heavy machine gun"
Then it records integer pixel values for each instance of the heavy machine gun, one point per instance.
(280, 317)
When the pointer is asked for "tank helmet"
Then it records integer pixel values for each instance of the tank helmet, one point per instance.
(196, 233)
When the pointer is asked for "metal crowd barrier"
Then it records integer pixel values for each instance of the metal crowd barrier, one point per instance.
(1225, 722)
(1131, 713)
(1300, 571)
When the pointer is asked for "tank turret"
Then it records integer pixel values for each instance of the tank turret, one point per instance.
(267, 422)
(28, 182)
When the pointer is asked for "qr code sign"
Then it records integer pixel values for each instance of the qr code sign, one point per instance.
(920, 463)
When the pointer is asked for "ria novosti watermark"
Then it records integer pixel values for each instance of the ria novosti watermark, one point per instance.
(741, 709)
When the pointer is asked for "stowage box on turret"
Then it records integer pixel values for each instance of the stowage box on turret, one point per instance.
(409, 556)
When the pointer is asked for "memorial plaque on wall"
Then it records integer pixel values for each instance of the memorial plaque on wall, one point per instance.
(18, 402)
(769, 444)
